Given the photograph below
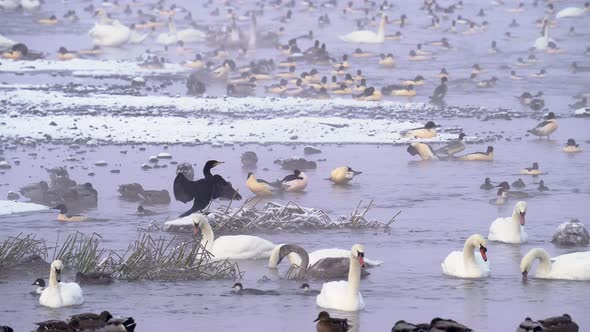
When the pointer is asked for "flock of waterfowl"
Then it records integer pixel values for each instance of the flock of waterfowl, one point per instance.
(223, 54)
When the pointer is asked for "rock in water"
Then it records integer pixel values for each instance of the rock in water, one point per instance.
(249, 159)
(572, 233)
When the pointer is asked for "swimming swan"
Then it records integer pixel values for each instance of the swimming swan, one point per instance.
(231, 246)
(511, 229)
(464, 264)
(573, 11)
(60, 294)
(542, 42)
(367, 36)
(345, 295)
(574, 266)
(109, 33)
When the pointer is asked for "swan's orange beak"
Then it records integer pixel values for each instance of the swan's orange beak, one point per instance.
(522, 214)
(525, 275)
(361, 258)
(196, 230)
(483, 251)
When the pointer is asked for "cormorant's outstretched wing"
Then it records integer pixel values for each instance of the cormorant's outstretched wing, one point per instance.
(223, 189)
(185, 190)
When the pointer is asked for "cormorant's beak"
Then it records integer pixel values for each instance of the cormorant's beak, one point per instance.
(316, 319)
(218, 163)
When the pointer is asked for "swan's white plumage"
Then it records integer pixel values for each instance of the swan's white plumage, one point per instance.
(113, 34)
(570, 12)
(574, 266)
(30, 4)
(509, 229)
(191, 35)
(344, 295)
(60, 294)
(467, 263)
(232, 246)
(367, 36)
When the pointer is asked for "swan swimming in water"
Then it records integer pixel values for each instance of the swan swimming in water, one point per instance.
(231, 246)
(108, 32)
(367, 36)
(345, 295)
(542, 42)
(59, 294)
(511, 229)
(465, 264)
(574, 266)
(573, 11)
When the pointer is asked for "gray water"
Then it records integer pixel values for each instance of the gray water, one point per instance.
(441, 202)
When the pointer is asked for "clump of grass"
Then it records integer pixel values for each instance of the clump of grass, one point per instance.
(278, 217)
(14, 249)
(166, 259)
(81, 252)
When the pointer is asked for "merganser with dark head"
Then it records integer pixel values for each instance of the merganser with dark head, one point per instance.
(571, 146)
(453, 147)
(343, 175)
(487, 184)
(542, 187)
(518, 184)
(240, 290)
(533, 170)
(261, 187)
(479, 156)
(547, 127)
(424, 150)
(428, 131)
(62, 216)
(510, 193)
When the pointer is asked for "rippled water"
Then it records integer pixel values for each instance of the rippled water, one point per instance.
(441, 202)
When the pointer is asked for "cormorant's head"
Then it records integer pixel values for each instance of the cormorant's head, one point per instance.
(213, 163)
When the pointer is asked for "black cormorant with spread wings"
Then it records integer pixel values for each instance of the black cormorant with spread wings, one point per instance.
(203, 191)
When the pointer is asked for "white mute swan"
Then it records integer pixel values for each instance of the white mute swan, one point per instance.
(345, 295)
(30, 4)
(542, 42)
(574, 266)
(573, 11)
(109, 33)
(465, 264)
(60, 294)
(511, 229)
(173, 36)
(367, 36)
(231, 246)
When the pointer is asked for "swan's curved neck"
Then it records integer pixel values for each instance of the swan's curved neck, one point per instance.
(208, 236)
(381, 31)
(303, 255)
(516, 220)
(53, 283)
(354, 278)
(172, 28)
(544, 260)
(252, 40)
(469, 251)
(546, 30)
